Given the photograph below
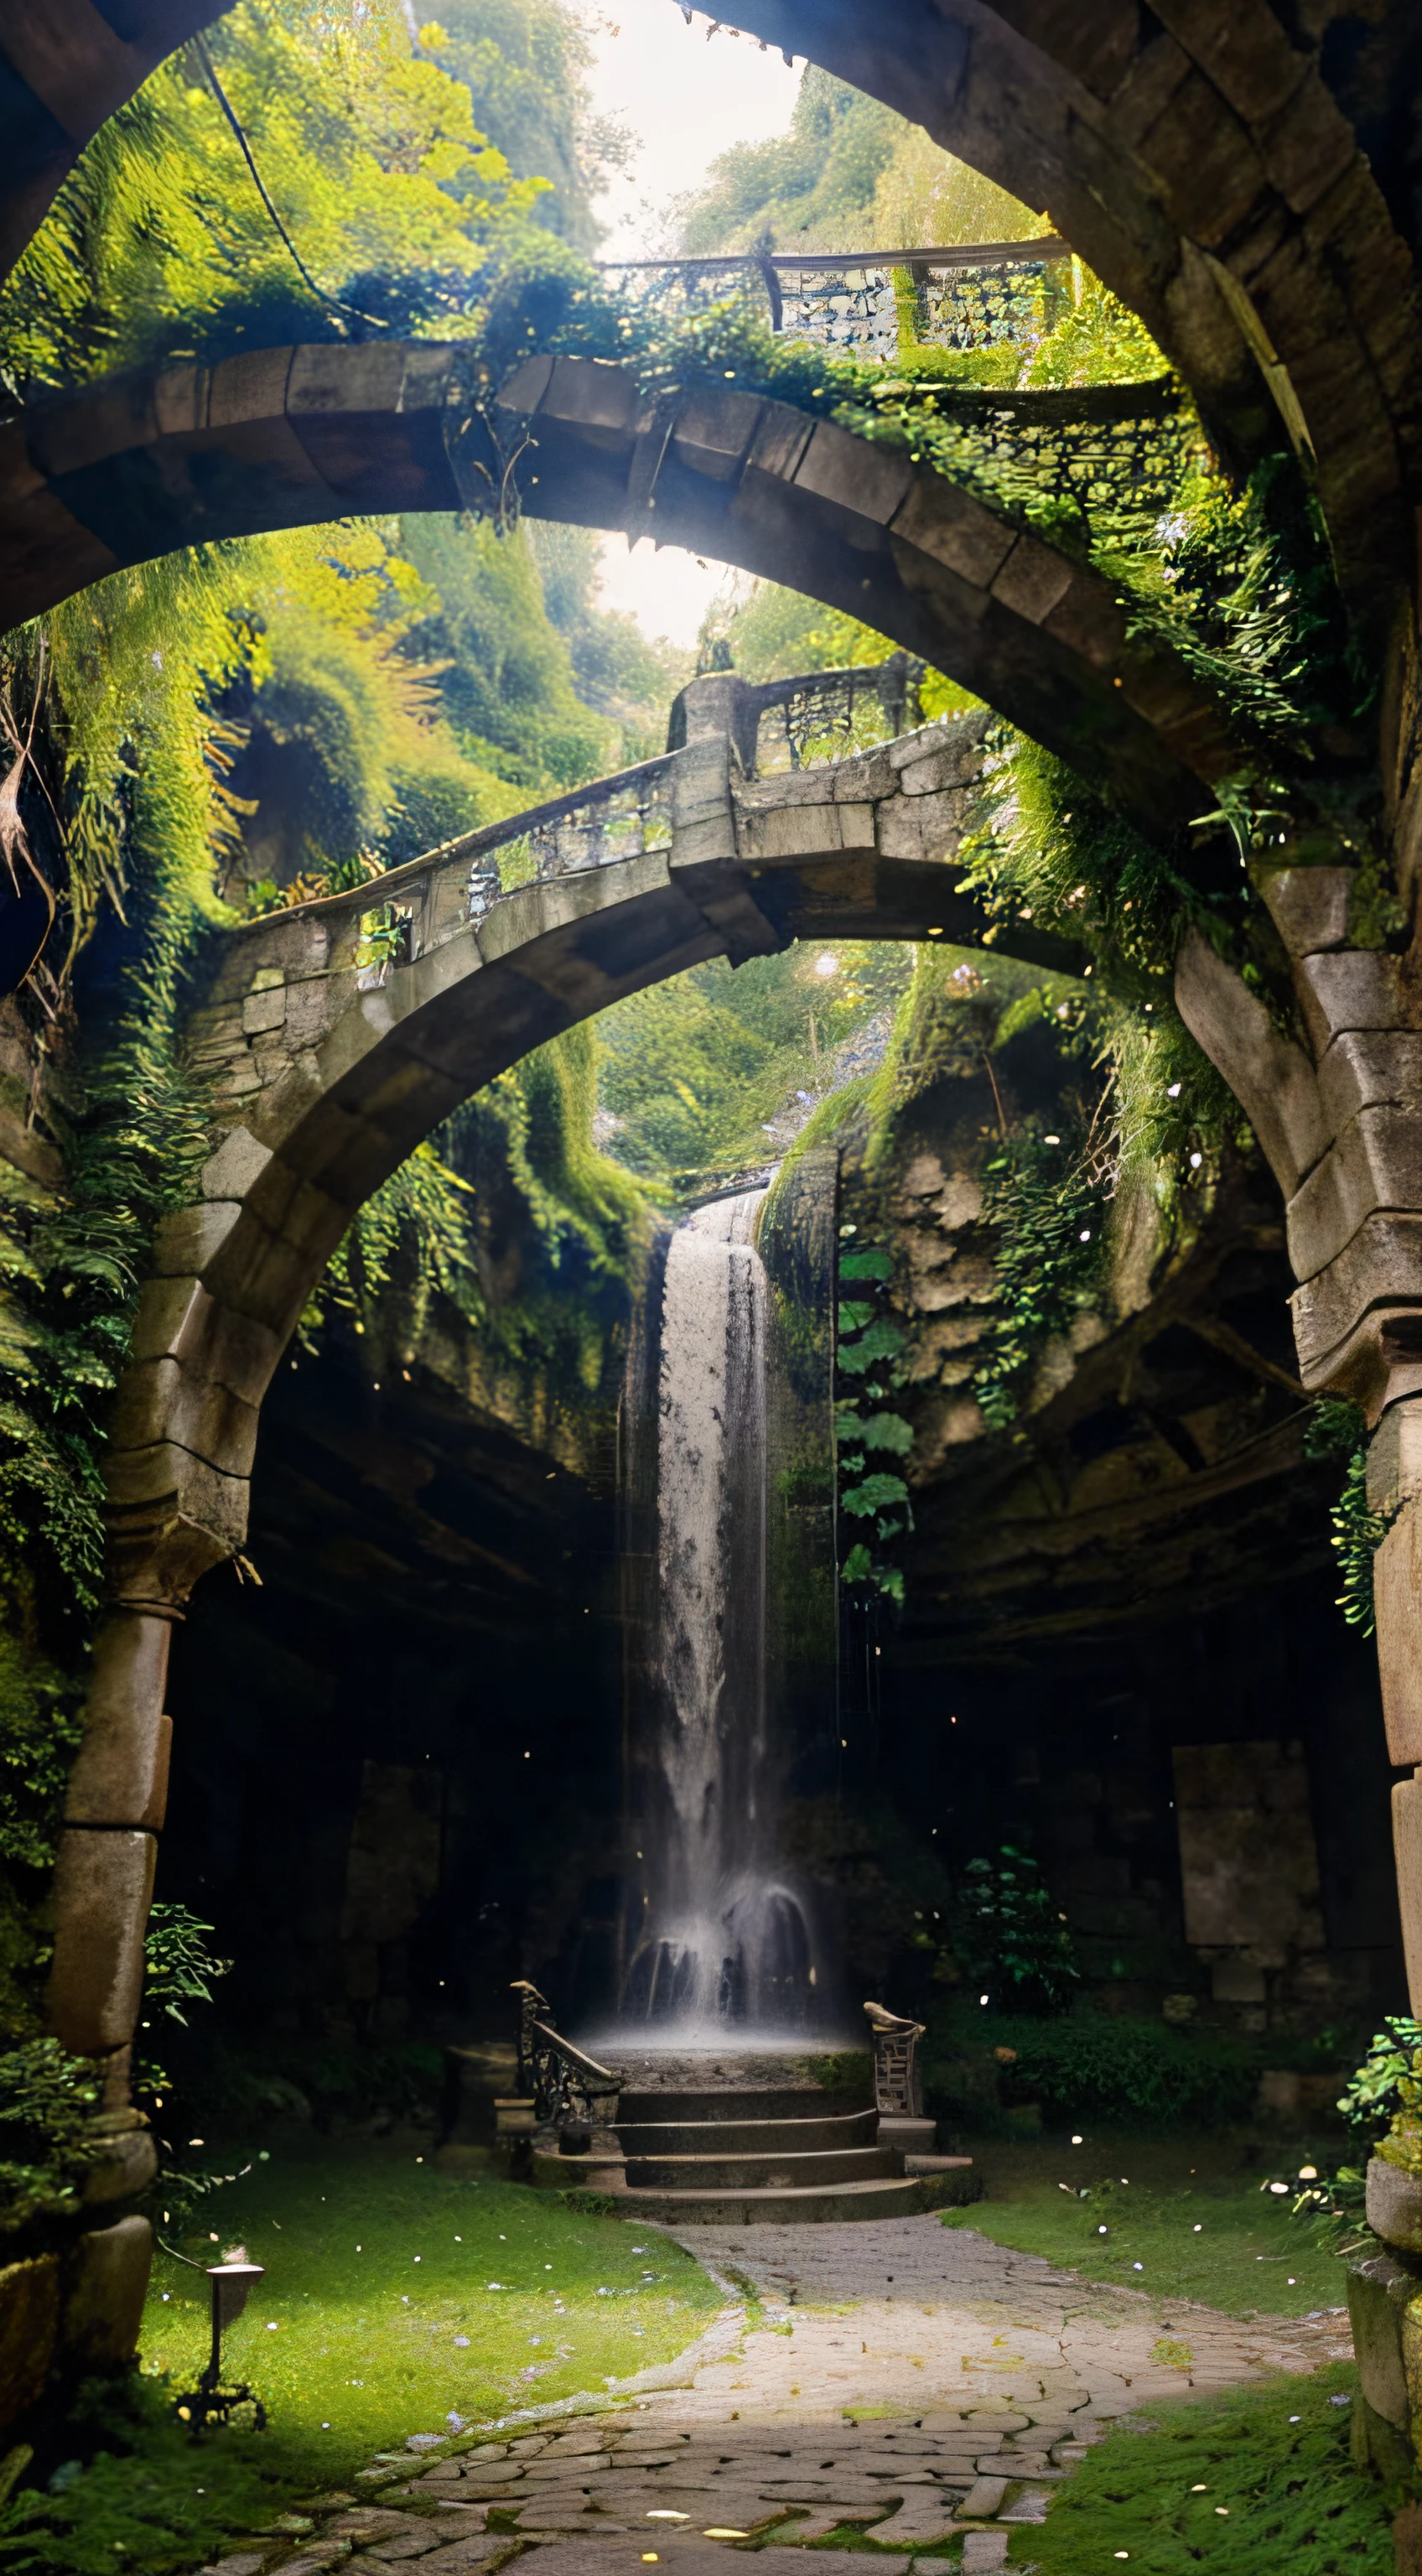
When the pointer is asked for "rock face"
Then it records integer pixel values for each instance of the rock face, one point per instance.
(1113, 1600)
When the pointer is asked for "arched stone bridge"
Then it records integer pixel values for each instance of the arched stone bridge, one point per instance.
(325, 1065)
(140, 466)
(1245, 190)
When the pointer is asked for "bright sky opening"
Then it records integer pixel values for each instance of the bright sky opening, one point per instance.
(685, 96)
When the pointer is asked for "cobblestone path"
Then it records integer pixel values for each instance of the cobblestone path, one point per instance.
(911, 2379)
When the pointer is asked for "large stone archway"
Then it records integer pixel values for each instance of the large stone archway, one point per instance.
(1198, 159)
(140, 466)
(322, 1074)
(1202, 164)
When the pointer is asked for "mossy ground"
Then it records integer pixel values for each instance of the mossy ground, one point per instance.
(378, 2317)
(1251, 2484)
(1195, 2213)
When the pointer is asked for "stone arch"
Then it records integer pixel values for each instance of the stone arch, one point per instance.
(1196, 158)
(141, 465)
(323, 1074)
(69, 67)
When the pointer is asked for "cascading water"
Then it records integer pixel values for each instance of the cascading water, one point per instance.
(724, 1936)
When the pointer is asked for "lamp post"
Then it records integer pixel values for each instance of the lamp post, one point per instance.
(232, 2284)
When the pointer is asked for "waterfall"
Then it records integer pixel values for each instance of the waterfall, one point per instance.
(723, 1936)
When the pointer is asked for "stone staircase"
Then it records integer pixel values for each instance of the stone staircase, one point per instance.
(730, 2144)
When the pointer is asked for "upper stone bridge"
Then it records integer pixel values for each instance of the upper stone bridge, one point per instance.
(333, 1036)
(142, 465)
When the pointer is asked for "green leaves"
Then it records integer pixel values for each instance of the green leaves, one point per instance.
(178, 1962)
(872, 1264)
(1012, 1938)
(887, 1431)
(47, 2100)
(881, 1341)
(868, 1345)
(876, 1494)
(1358, 1533)
(1374, 2094)
(1049, 1217)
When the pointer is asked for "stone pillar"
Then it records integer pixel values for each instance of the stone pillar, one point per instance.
(718, 704)
(1395, 1491)
(104, 1878)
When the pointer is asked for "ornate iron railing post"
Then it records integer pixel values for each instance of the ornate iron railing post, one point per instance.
(898, 2085)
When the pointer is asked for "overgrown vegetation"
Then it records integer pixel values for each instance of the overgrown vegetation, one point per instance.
(1085, 2065)
(1048, 1207)
(1010, 1938)
(1261, 2477)
(871, 1433)
(515, 2300)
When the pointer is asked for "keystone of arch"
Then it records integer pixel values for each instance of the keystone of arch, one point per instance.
(139, 466)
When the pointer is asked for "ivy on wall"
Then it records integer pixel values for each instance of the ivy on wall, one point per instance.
(1049, 1213)
(871, 1434)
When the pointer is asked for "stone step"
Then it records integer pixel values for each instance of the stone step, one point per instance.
(820, 2203)
(762, 2172)
(744, 2102)
(743, 2133)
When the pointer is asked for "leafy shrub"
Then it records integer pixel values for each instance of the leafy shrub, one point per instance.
(1090, 2065)
(177, 1961)
(1374, 2094)
(47, 2099)
(1010, 1937)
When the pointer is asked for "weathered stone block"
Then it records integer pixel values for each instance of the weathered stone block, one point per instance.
(163, 1400)
(871, 482)
(779, 443)
(1375, 1163)
(954, 529)
(179, 1319)
(171, 1516)
(922, 827)
(1366, 1067)
(1032, 579)
(856, 827)
(126, 2166)
(794, 831)
(937, 770)
(237, 1162)
(1340, 1311)
(1407, 1857)
(105, 2284)
(1308, 906)
(524, 390)
(1397, 1600)
(318, 382)
(1272, 1079)
(186, 1241)
(1087, 621)
(1379, 2291)
(29, 2323)
(594, 392)
(713, 431)
(1394, 2206)
(1350, 988)
(103, 1884)
(263, 1011)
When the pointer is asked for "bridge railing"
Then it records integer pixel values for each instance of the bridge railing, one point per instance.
(777, 725)
(868, 303)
